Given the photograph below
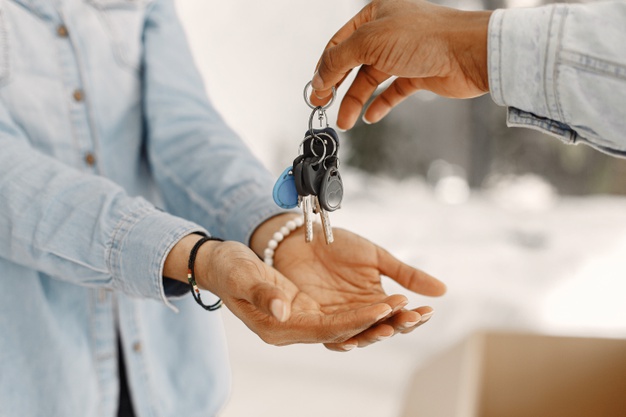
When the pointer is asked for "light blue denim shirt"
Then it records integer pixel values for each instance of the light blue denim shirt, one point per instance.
(103, 118)
(562, 69)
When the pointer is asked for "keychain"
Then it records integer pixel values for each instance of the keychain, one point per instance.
(313, 181)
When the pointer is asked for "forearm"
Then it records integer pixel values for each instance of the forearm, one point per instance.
(205, 172)
(79, 227)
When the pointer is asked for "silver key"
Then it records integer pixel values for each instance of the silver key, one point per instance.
(326, 227)
(307, 210)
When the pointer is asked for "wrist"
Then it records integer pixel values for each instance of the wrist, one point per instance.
(176, 262)
(264, 233)
(469, 46)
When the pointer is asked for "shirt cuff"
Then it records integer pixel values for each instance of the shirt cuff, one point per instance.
(138, 249)
(523, 47)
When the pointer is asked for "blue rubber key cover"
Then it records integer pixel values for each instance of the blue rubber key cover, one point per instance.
(285, 193)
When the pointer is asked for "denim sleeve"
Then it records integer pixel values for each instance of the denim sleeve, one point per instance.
(78, 227)
(561, 69)
(204, 171)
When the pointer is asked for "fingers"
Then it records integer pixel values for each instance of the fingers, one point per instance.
(339, 57)
(341, 326)
(404, 321)
(410, 278)
(393, 95)
(364, 85)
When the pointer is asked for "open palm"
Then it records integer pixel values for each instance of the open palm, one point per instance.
(344, 280)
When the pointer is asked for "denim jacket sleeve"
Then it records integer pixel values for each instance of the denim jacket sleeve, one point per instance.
(204, 171)
(79, 227)
(561, 69)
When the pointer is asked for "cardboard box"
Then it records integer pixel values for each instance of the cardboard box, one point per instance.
(515, 375)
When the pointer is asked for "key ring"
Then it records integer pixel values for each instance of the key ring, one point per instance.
(321, 115)
(321, 136)
(308, 102)
(313, 137)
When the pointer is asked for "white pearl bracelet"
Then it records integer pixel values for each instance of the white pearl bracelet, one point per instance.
(290, 226)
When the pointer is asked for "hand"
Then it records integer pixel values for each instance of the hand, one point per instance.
(271, 305)
(428, 47)
(344, 280)
(332, 295)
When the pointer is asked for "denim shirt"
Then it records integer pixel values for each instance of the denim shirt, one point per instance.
(110, 153)
(561, 69)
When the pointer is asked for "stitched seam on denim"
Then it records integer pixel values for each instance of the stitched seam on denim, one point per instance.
(593, 65)
(543, 124)
(555, 77)
(94, 138)
(68, 106)
(546, 61)
(92, 336)
(4, 43)
(145, 369)
(115, 245)
(158, 261)
(102, 10)
(500, 58)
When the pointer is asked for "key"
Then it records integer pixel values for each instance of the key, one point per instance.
(307, 210)
(331, 189)
(326, 227)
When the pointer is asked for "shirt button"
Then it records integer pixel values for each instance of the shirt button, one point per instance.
(78, 95)
(62, 31)
(137, 347)
(90, 159)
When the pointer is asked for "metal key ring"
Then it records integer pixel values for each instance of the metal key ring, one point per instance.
(322, 115)
(323, 157)
(328, 137)
(308, 101)
(323, 136)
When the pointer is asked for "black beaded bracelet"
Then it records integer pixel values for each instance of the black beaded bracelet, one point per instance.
(195, 291)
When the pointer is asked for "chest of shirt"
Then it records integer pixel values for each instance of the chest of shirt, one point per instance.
(70, 75)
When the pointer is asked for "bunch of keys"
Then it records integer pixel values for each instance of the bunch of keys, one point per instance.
(313, 181)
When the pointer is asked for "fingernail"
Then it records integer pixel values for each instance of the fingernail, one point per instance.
(409, 324)
(381, 338)
(341, 130)
(385, 314)
(279, 310)
(348, 347)
(400, 306)
(317, 83)
(426, 316)
(367, 122)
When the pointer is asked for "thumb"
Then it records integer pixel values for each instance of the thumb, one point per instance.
(342, 53)
(336, 62)
(410, 278)
(271, 300)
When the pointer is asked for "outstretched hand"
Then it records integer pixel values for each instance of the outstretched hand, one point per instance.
(428, 47)
(344, 280)
(317, 293)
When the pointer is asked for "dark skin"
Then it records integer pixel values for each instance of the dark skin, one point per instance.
(315, 293)
(426, 46)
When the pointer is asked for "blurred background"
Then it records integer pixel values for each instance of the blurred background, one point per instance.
(529, 234)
